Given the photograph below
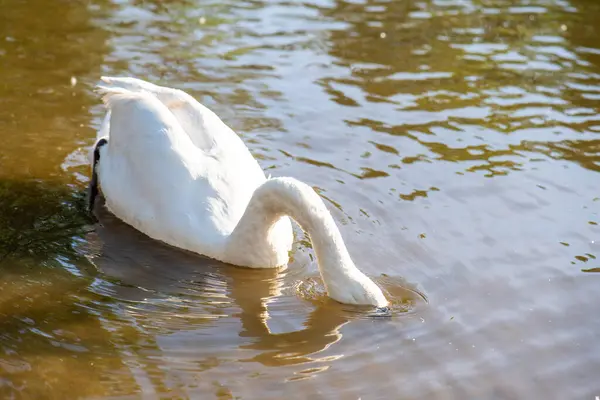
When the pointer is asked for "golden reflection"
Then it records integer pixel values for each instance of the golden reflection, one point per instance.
(43, 46)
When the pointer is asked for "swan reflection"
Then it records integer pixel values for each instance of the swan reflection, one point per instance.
(163, 291)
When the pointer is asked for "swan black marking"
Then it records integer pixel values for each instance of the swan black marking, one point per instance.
(93, 188)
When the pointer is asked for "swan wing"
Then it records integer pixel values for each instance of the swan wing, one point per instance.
(240, 170)
(154, 178)
(206, 130)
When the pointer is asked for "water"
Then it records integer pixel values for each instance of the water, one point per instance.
(455, 143)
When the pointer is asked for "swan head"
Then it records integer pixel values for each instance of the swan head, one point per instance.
(354, 287)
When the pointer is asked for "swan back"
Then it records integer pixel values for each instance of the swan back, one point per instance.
(157, 180)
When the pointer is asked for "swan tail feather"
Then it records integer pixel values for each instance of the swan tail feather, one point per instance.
(172, 98)
(113, 95)
(128, 83)
(104, 90)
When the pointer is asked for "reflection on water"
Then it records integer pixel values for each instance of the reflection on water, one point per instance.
(170, 291)
(455, 142)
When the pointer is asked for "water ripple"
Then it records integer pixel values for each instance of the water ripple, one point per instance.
(455, 143)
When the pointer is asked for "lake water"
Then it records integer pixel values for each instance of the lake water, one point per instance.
(456, 143)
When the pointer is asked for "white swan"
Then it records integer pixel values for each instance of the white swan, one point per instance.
(172, 169)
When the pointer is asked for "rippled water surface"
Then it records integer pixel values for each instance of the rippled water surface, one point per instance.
(455, 142)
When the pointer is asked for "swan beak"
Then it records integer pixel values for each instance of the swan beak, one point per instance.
(93, 187)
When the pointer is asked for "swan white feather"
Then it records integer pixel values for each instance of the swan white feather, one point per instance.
(173, 170)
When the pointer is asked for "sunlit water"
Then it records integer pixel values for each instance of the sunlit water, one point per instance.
(456, 144)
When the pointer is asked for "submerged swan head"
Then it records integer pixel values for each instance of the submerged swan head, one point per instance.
(279, 197)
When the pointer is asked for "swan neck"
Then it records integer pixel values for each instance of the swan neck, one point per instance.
(280, 197)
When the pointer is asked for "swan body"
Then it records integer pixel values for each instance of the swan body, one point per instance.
(169, 167)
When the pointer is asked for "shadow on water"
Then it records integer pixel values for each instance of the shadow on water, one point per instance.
(41, 221)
